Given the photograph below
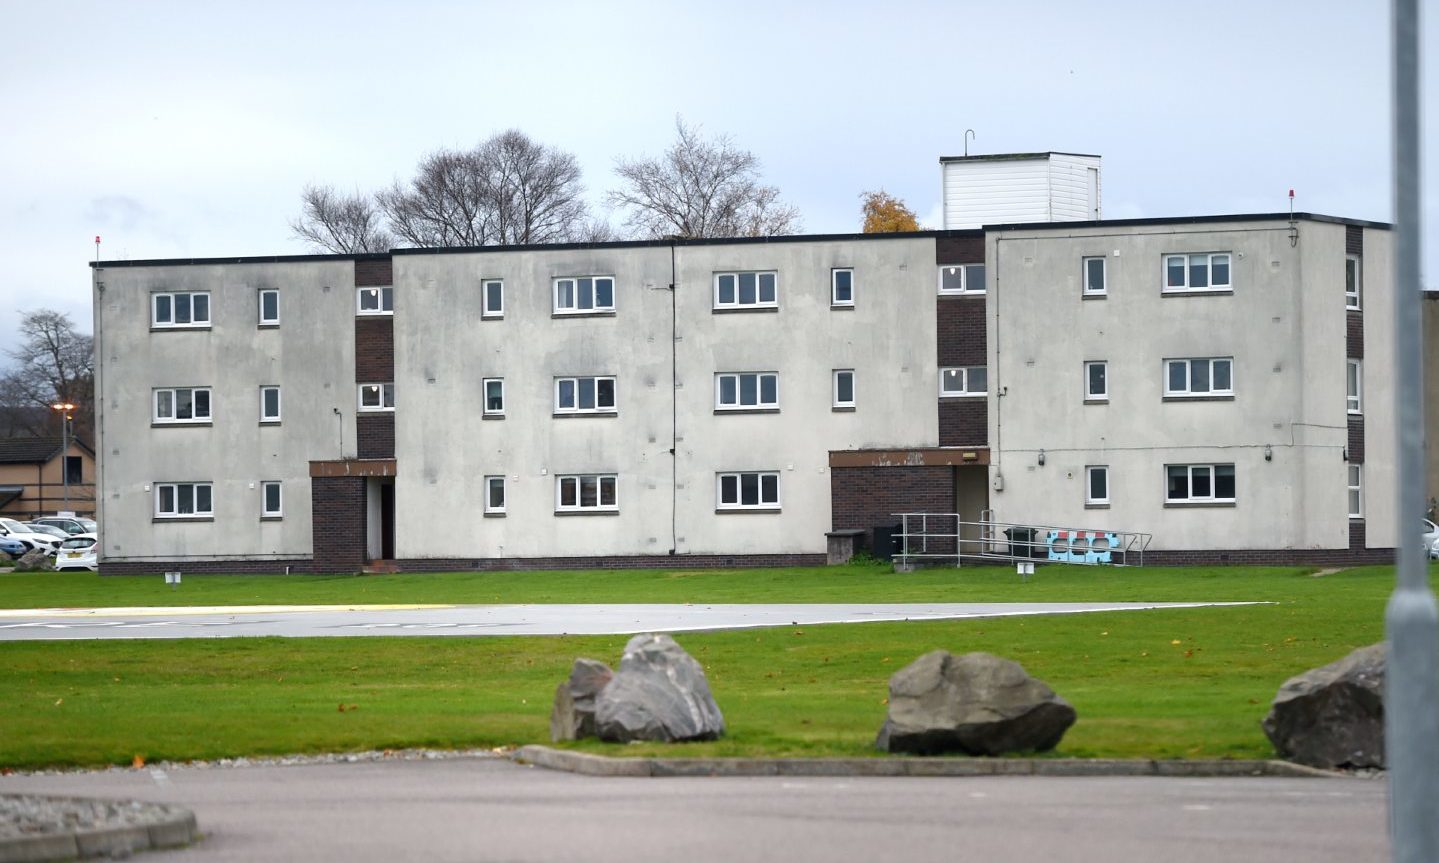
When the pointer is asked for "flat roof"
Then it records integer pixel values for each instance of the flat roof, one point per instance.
(1015, 157)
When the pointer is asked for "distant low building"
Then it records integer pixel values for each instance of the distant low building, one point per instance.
(36, 472)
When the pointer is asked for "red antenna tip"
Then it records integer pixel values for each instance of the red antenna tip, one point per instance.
(1291, 193)
(97, 236)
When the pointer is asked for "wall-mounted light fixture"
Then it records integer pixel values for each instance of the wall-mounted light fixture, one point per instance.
(1268, 453)
(1041, 458)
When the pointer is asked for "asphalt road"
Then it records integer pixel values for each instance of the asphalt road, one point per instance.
(488, 809)
(474, 620)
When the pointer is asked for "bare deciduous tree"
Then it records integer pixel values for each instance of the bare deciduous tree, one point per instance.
(53, 363)
(338, 223)
(700, 188)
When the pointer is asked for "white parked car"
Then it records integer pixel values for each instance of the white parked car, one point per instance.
(78, 552)
(32, 538)
(1431, 538)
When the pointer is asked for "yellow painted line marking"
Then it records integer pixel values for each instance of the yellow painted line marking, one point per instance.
(179, 610)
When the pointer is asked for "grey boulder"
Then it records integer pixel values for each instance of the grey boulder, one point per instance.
(659, 694)
(573, 715)
(35, 558)
(977, 704)
(1332, 716)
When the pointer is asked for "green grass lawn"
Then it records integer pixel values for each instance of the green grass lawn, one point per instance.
(1163, 684)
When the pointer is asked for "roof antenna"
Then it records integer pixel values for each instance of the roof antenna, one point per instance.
(968, 133)
(97, 248)
(1293, 226)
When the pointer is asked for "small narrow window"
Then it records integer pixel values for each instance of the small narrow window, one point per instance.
(1096, 381)
(269, 308)
(1355, 387)
(1094, 277)
(269, 404)
(961, 279)
(375, 301)
(965, 381)
(1096, 485)
(494, 298)
(494, 397)
(1356, 490)
(843, 389)
(377, 397)
(494, 495)
(271, 500)
(1353, 278)
(841, 287)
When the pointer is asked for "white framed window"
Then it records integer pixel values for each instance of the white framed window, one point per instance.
(843, 390)
(183, 500)
(494, 495)
(748, 490)
(1203, 376)
(1096, 484)
(182, 405)
(180, 310)
(1353, 282)
(494, 389)
(1202, 271)
(961, 279)
(579, 295)
(1356, 490)
(377, 397)
(747, 290)
(492, 292)
(586, 493)
(963, 381)
(271, 500)
(589, 395)
(375, 301)
(841, 286)
(1354, 386)
(1199, 483)
(269, 404)
(747, 391)
(1095, 282)
(269, 308)
(1096, 381)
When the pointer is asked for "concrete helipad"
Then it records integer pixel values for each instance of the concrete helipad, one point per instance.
(477, 620)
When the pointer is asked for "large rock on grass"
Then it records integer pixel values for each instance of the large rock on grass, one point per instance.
(659, 694)
(35, 558)
(573, 715)
(1332, 716)
(977, 704)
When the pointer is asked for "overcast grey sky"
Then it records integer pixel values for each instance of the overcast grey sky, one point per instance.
(187, 129)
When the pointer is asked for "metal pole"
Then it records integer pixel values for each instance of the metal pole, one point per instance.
(1411, 696)
(65, 455)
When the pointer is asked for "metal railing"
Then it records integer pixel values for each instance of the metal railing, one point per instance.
(943, 537)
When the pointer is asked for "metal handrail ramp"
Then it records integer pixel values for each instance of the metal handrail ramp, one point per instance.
(943, 537)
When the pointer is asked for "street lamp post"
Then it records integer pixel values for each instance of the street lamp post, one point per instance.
(65, 408)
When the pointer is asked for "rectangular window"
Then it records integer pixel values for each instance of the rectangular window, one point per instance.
(183, 499)
(494, 299)
(841, 287)
(269, 308)
(1096, 485)
(182, 405)
(584, 295)
(747, 390)
(584, 395)
(961, 279)
(269, 404)
(843, 388)
(494, 397)
(1355, 387)
(746, 290)
(377, 397)
(1094, 281)
(180, 310)
(758, 490)
(588, 493)
(1096, 381)
(494, 495)
(968, 381)
(72, 469)
(375, 301)
(270, 500)
(1356, 490)
(1208, 376)
(1205, 271)
(1353, 282)
(1200, 483)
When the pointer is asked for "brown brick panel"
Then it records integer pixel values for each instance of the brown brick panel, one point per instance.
(1355, 450)
(862, 498)
(374, 349)
(964, 422)
(959, 331)
(1354, 336)
(959, 250)
(337, 507)
(1269, 557)
(209, 567)
(375, 435)
(374, 274)
(1356, 535)
(470, 564)
(1353, 240)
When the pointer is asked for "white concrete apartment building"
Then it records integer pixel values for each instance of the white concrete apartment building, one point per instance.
(711, 403)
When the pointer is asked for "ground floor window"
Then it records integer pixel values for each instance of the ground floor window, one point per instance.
(181, 499)
(494, 495)
(1096, 484)
(1200, 483)
(586, 493)
(751, 490)
(1356, 491)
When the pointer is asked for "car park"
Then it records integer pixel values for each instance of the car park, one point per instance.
(78, 552)
(15, 530)
(69, 524)
(47, 529)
